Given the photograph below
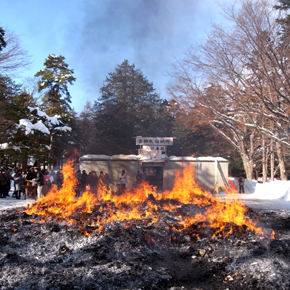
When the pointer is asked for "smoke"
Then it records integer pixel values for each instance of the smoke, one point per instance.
(148, 33)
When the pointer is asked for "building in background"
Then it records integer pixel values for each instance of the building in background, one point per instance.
(158, 169)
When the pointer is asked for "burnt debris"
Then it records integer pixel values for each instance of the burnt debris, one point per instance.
(142, 254)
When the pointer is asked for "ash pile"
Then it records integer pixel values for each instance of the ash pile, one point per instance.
(145, 253)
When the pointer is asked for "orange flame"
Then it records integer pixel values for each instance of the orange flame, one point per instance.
(273, 235)
(140, 204)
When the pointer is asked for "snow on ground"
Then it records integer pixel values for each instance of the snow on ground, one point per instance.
(10, 202)
(270, 195)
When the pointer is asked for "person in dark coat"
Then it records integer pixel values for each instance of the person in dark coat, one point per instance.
(31, 174)
(3, 182)
(84, 177)
(59, 179)
(139, 177)
(93, 182)
(40, 182)
(9, 178)
(241, 182)
(19, 180)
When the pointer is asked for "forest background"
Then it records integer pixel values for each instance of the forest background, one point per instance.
(229, 98)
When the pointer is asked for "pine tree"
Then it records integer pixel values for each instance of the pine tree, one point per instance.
(13, 106)
(285, 22)
(128, 107)
(55, 78)
(2, 40)
(85, 132)
(284, 5)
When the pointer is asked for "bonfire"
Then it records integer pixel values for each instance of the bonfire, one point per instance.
(141, 203)
(186, 238)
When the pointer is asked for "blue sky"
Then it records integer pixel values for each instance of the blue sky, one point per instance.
(95, 36)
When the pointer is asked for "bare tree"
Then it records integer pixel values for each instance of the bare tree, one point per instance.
(247, 62)
(12, 56)
(30, 86)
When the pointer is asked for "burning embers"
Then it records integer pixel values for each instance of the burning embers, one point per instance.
(142, 239)
(197, 213)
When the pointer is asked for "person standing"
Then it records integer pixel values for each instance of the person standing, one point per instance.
(101, 175)
(78, 177)
(139, 177)
(107, 180)
(19, 180)
(241, 182)
(31, 174)
(46, 180)
(123, 180)
(93, 182)
(84, 177)
(59, 179)
(3, 181)
(9, 178)
(40, 182)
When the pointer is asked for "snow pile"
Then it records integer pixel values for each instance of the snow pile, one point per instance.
(191, 158)
(270, 190)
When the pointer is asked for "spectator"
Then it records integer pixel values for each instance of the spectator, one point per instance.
(123, 180)
(40, 182)
(139, 177)
(19, 181)
(241, 182)
(93, 182)
(58, 179)
(3, 181)
(31, 174)
(78, 177)
(107, 180)
(8, 183)
(46, 181)
(84, 177)
(101, 175)
(48, 178)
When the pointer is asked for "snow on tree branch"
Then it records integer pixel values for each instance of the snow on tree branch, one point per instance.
(42, 125)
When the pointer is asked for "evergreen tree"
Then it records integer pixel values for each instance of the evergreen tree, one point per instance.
(2, 40)
(85, 132)
(284, 5)
(13, 106)
(285, 22)
(128, 107)
(55, 78)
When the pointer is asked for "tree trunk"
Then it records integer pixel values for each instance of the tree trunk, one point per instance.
(23, 163)
(280, 155)
(264, 159)
(50, 162)
(272, 159)
(248, 158)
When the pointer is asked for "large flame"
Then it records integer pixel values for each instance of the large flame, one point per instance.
(141, 203)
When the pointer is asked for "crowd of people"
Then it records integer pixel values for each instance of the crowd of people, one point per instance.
(42, 180)
(92, 181)
(33, 177)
